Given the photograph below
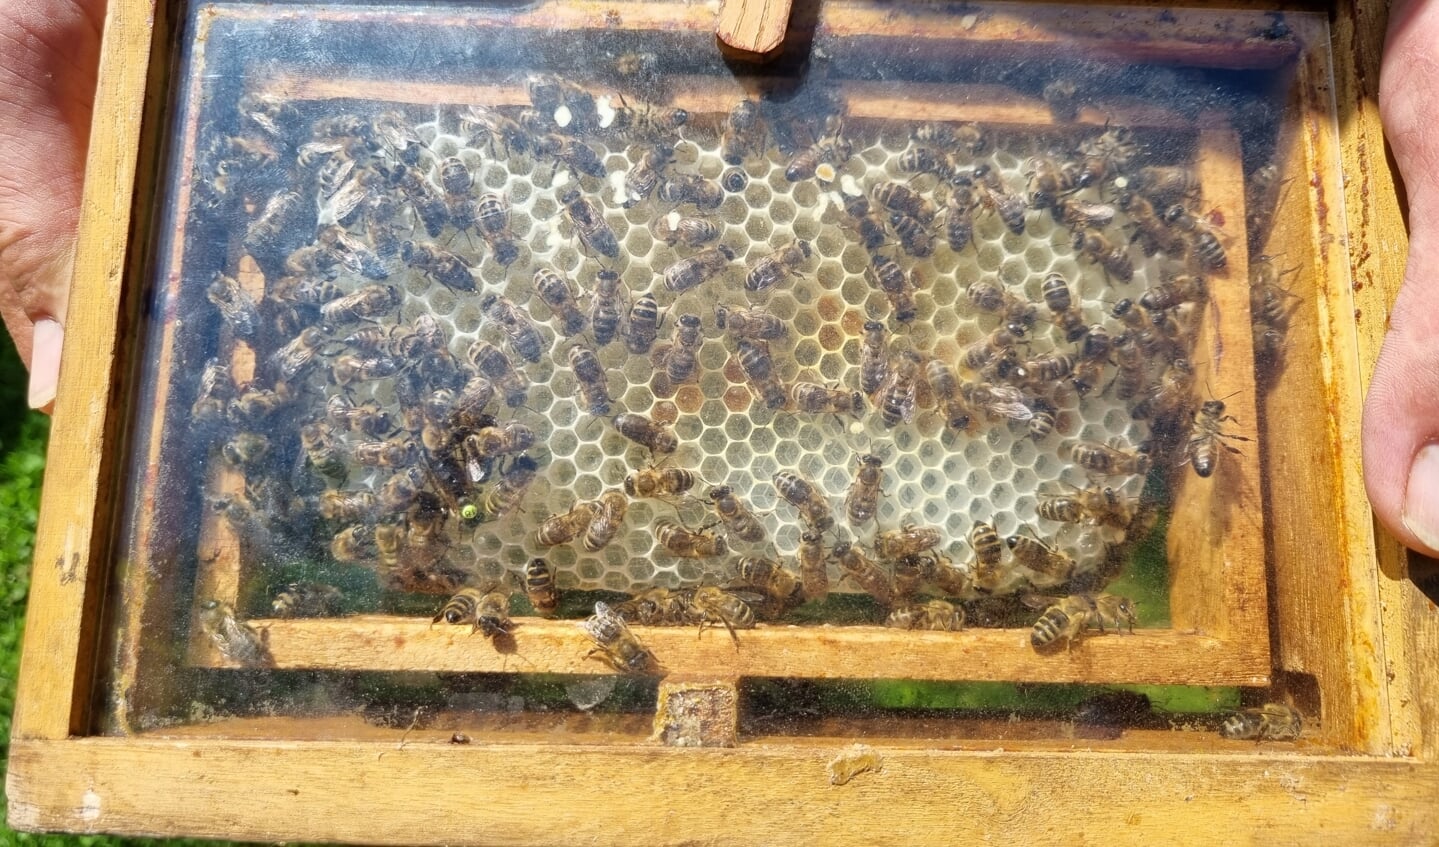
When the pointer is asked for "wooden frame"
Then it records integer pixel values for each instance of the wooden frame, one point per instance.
(1351, 640)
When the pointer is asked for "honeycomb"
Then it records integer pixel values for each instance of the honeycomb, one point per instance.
(934, 475)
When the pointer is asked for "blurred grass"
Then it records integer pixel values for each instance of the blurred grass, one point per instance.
(23, 436)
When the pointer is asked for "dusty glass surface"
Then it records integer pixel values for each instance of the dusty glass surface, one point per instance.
(491, 316)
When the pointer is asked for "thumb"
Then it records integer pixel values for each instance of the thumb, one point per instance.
(1401, 412)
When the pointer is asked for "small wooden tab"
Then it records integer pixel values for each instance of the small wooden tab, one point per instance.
(697, 713)
(753, 26)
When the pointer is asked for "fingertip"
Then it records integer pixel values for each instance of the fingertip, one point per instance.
(49, 339)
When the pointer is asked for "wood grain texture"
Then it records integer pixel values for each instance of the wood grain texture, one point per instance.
(1216, 529)
(75, 528)
(753, 26)
(1326, 602)
(819, 652)
(622, 795)
(1378, 245)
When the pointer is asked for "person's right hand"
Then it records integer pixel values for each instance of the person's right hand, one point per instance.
(1401, 413)
(49, 52)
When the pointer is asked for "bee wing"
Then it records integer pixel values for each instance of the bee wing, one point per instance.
(1039, 602)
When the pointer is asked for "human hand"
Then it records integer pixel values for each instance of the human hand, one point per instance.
(1401, 413)
(49, 52)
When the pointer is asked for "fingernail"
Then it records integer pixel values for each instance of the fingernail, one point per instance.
(45, 363)
(1421, 497)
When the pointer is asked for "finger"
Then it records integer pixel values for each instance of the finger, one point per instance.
(1401, 413)
(49, 50)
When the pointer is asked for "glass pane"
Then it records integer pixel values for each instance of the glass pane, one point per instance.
(921, 357)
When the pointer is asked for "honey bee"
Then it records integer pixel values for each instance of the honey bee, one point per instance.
(1112, 611)
(566, 526)
(691, 188)
(1064, 619)
(441, 265)
(306, 600)
(350, 252)
(992, 298)
(908, 540)
(900, 198)
(1099, 250)
(492, 214)
(574, 154)
(643, 325)
(951, 580)
(234, 639)
(246, 449)
(378, 214)
(485, 612)
(506, 495)
(213, 397)
(899, 393)
(886, 275)
(589, 223)
(1269, 722)
(236, 306)
(478, 121)
(868, 225)
(709, 605)
(813, 566)
(988, 552)
(496, 366)
(396, 134)
(400, 490)
(742, 133)
(1048, 182)
(778, 587)
(813, 398)
(822, 158)
(556, 293)
(910, 574)
(864, 572)
(968, 138)
(465, 410)
(1204, 244)
(489, 442)
(802, 494)
(682, 357)
(1093, 505)
(1164, 186)
(1261, 199)
(642, 179)
(347, 369)
(1174, 292)
(1171, 399)
(688, 544)
(646, 123)
(1069, 318)
(1041, 370)
(394, 453)
(606, 306)
(1063, 98)
(540, 588)
(1054, 566)
(590, 376)
(754, 324)
(757, 365)
(520, 331)
(426, 201)
(935, 615)
(774, 268)
(997, 402)
(1079, 214)
(608, 519)
(673, 229)
(371, 301)
(873, 364)
(736, 516)
(697, 269)
(914, 237)
(353, 543)
(945, 386)
(959, 217)
(1205, 437)
(348, 506)
(1105, 460)
(1011, 208)
(657, 437)
(862, 501)
(923, 159)
(280, 227)
(659, 482)
(1150, 230)
(322, 454)
(615, 645)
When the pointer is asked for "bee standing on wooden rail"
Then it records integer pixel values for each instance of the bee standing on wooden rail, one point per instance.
(615, 645)
(485, 612)
(935, 615)
(1269, 722)
(1206, 437)
(540, 587)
